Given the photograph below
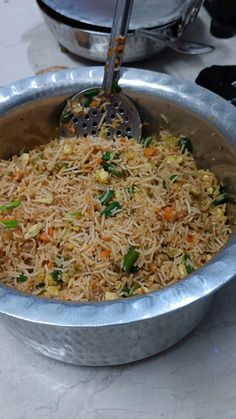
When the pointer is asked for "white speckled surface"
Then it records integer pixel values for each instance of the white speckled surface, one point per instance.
(193, 380)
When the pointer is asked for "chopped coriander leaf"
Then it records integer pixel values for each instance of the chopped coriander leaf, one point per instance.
(188, 264)
(115, 88)
(9, 223)
(130, 259)
(91, 93)
(112, 209)
(10, 205)
(146, 141)
(221, 199)
(185, 143)
(67, 116)
(173, 178)
(112, 168)
(106, 196)
(21, 278)
(128, 292)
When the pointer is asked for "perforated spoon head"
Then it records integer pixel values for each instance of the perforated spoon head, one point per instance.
(90, 113)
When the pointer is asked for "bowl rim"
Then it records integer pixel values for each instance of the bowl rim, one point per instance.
(201, 283)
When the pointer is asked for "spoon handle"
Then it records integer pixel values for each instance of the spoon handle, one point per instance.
(115, 53)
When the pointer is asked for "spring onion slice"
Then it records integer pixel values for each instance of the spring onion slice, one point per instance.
(112, 209)
(112, 168)
(130, 259)
(188, 264)
(21, 278)
(146, 141)
(106, 196)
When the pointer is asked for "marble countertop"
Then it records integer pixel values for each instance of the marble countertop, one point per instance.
(193, 380)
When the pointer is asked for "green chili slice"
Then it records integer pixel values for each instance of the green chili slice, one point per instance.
(67, 116)
(173, 178)
(221, 199)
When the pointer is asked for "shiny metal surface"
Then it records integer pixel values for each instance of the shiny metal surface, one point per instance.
(121, 331)
(146, 13)
(92, 42)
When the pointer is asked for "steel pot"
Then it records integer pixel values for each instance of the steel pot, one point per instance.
(86, 32)
(120, 331)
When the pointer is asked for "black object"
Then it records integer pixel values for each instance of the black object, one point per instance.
(221, 80)
(223, 13)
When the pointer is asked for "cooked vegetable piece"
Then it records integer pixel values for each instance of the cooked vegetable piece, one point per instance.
(115, 88)
(130, 259)
(113, 169)
(76, 214)
(221, 199)
(91, 93)
(169, 214)
(67, 116)
(109, 154)
(150, 151)
(21, 278)
(57, 275)
(9, 223)
(188, 264)
(185, 143)
(128, 292)
(131, 190)
(106, 196)
(164, 184)
(173, 178)
(10, 205)
(112, 209)
(41, 285)
(33, 231)
(146, 141)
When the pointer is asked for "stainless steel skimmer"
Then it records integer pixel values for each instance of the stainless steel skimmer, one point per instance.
(105, 111)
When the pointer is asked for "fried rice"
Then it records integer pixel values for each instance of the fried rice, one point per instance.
(91, 219)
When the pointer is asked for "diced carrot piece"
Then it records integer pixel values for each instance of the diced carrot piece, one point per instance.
(190, 238)
(122, 140)
(106, 239)
(169, 213)
(18, 176)
(106, 253)
(50, 264)
(50, 231)
(44, 238)
(149, 152)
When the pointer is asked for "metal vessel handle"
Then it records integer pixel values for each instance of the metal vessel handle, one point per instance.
(115, 53)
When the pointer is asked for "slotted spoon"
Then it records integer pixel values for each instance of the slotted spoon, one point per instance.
(105, 111)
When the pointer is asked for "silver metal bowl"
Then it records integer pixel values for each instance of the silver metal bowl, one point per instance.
(121, 331)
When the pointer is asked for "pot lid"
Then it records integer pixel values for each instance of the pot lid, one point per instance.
(146, 13)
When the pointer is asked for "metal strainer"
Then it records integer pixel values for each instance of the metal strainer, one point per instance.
(105, 111)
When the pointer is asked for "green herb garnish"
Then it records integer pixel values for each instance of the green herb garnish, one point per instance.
(185, 143)
(164, 185)
(146, 141)
(173, 178)
(113, 169)
(188, 264)
(41, 285)
(21, 278)
(10, 223)
(91, 93)
(128, 292)
(221, 199)
(106, 196)
(67, 116)
(112, 209)
(131, 190)
(130, 259)
(10, 205)
(57, 275)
